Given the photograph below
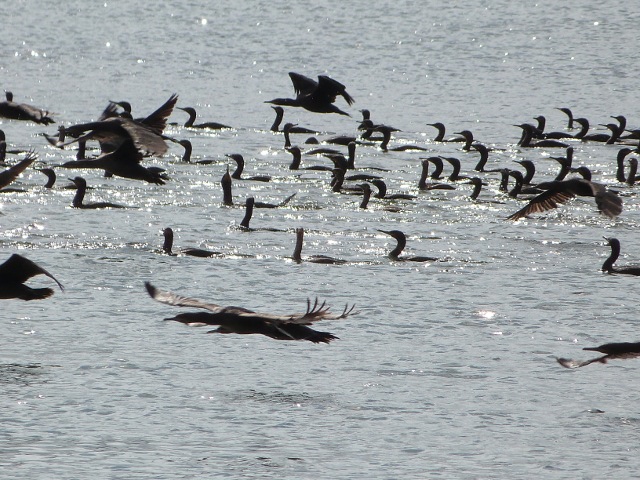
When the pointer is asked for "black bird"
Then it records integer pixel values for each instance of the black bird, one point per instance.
(275, 127)
(382, 192)
(622, 153)
(167, 247)
(227, 197)
(569, 114)
(424, 185)
(612, 351)
(527, 139)
(608, 267)
(401, 240)
(11, 173)
(188, 150)
(113, 130)
(243, 321)
(23, 111)
(557, 192)
(123, 162)
(17, 270)
(192, 118)
(237, 174)
(315, 96)
(297, 159)
(297, 253)
(81, 186)
(386, 138)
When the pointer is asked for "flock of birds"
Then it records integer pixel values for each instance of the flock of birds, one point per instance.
(125, 142)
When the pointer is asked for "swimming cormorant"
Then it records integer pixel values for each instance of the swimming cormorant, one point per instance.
(527, 139)
(243, 321)
(23, 111)
(17, 270)
(167, 247)
(81, 186)
(315, 96)
(608, 267)
(612, 351)
(382, 191)
(401, 240)
(557, 192)
(275, 127)
(237, 174)
(192, 118)
(569, 114)
(297, 253)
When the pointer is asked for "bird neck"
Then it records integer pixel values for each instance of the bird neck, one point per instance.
(607, 266)
(366, 196)
(167, 246)
(79, 196)
(401, 243)
(248, 213)
(227, 198)
(297, 251)
(297, 158)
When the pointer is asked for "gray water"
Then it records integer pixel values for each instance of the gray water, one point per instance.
(448, 370)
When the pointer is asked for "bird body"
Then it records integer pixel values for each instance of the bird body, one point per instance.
(23, 111)
(315, 96)
(244, 321)
(608, 267)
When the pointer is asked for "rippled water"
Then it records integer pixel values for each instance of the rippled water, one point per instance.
(448, 371)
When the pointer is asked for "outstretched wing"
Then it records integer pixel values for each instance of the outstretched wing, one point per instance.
(10, 174)
(157, 121)
(21, 269)
(315, 312)
(302, 85)
(180, 301)
(331, 88)
(543, 202)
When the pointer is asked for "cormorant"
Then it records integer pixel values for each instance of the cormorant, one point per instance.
(608, 267)
(123, 162)
(569, 114)
(422, 183)
(17, 270)
(315, 96)
(243, 321)
(382, 192)
(401, 240)
(167, 247)
(237, 174)
(192, 118)
(557, 192)
(275, 127)
(23, 111)
(81, 186)
(297, 257)
(113, 130)
(612, 351)
(527, 137)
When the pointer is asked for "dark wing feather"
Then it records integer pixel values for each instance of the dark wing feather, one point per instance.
(10, 174)
(332, 88)
(609, 203)
(157, 121)
(543, 202)
(21, 269)
(169, 298)
(302, 85)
